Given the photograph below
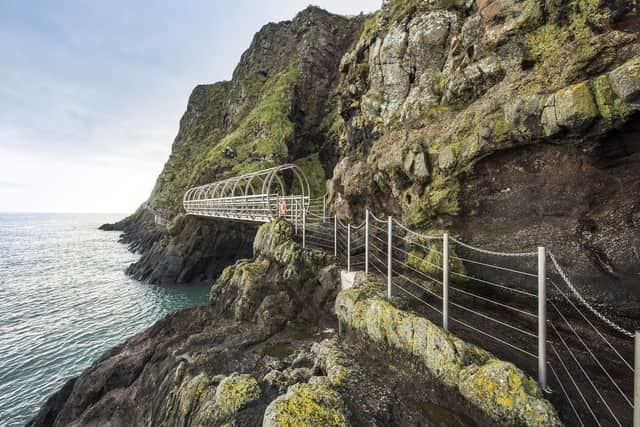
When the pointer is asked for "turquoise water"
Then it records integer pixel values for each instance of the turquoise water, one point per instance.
(64, 300)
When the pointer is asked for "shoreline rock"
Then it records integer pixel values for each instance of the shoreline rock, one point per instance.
(213, 365)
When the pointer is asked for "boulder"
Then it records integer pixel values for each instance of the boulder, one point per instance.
(625, 80)
(512, 398)
(234, 392)
(575, 108)
(312, 405)
(508, 395)
(269, 288)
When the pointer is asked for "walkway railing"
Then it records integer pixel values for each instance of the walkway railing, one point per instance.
(278, 192)
(160, 220)
(522, 306)
(158, 217)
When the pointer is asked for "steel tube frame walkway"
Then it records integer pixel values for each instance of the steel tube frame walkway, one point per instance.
(256, 197)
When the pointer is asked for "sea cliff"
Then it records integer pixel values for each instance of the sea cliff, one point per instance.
(511, 124)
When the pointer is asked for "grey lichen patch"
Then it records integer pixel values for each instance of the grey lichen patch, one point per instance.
(625, 80)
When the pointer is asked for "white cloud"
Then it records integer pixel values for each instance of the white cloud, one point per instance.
(92, 92)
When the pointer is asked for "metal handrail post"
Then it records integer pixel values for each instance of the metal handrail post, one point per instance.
(349, 247)
(366, 242)
(324, 207)
(335, 236)
(445, 281)
(542, 318)
(636, 381)
(304, 229)
(389, 258)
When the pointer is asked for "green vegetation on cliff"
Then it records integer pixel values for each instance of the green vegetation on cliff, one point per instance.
(206, 150)
(262, 137)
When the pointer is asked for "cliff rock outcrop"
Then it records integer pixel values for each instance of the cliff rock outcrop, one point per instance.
(270, 112)
(510, 123)
(499, 389)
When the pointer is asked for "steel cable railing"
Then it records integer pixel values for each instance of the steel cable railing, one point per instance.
(501, 296)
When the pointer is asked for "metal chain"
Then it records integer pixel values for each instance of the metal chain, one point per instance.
(488, 252)
(341, 224)
(581, 299)
(424, 236)
(376, 218)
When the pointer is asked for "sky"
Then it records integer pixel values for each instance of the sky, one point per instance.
(91, 93)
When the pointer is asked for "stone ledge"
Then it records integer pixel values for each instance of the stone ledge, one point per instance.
(498, 388)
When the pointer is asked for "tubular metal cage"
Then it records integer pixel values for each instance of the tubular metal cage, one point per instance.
(278, 192)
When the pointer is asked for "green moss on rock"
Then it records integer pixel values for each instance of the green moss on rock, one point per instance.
(609, 105)
(575, 108)
(313, 170)
(426, 255)
(261, 138)
(440, 197)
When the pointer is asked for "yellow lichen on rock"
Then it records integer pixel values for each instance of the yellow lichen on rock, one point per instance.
(234, 392)
(308, 405)
(498, 388)
(506, 394)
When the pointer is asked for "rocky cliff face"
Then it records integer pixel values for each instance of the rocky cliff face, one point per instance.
(271, 112)
(511, 123)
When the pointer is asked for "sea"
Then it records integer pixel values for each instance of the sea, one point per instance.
(65, 300)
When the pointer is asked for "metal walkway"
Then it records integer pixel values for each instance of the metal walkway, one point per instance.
(278, 192)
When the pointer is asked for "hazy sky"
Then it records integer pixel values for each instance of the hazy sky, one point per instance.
(91, 92)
